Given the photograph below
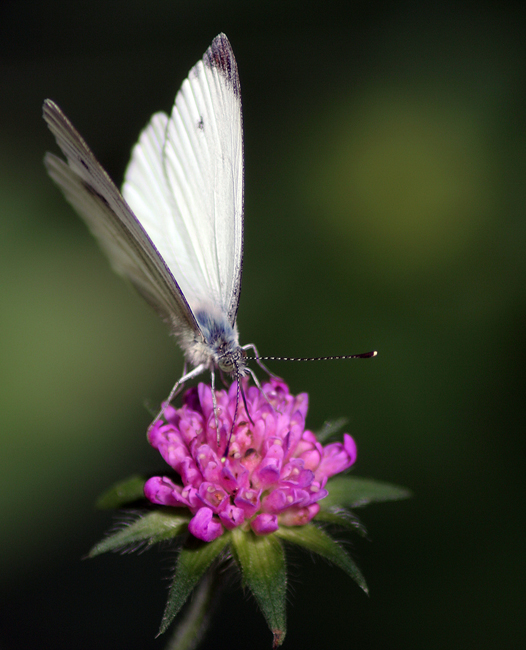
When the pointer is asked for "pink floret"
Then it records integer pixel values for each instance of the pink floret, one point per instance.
(204, 526)
(264, 524)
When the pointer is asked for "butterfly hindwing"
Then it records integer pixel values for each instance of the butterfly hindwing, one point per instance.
(92, 193)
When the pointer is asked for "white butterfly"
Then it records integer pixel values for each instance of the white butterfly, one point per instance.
(176, 231)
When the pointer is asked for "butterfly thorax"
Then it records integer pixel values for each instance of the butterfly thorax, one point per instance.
(217, 344)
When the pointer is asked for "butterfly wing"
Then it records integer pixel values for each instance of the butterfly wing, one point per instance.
(185, 183)
(90, 190)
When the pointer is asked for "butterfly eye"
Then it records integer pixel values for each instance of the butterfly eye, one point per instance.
(231, 359)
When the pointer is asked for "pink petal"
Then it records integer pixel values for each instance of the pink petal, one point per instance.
(212, 495)
(295, 474)
(232, 516)
(208, 463)
(165, 492)
(337, 457)
(270, 467)
(264, 524)
(350, 447)
(248, 500)
(311, 459)
(233, 476)
(170, 413)
(301, 403)
(298, 516)
(204, 526)
(284, 497)
(205, 400)
(189, 472)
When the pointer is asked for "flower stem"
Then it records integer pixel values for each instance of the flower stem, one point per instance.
(196, 619)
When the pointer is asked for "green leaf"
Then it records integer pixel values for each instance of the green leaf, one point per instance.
(262, 562)
(354, 492)
(191, 565)
(330, 428)
(122, 493)
(150, 528)
(343, 518)
(317, 541)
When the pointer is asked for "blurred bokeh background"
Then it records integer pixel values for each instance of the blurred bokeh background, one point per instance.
(385, 206)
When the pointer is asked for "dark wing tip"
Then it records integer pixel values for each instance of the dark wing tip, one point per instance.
(49, 109)
(221, 57)
(54, 116)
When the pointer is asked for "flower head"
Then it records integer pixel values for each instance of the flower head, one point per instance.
(247, 480)
(275, 470)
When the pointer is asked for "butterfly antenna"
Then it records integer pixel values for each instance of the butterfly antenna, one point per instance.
(246, 405)
(238, 390)
(214, 404)
(363, 355)
(259, 359)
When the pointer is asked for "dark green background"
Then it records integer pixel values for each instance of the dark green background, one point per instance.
(385, 206)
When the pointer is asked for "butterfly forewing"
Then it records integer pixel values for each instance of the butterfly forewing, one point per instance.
(185, 183)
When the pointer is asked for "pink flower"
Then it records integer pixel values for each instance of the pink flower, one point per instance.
(275, 471)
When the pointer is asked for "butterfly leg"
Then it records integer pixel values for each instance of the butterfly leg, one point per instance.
(256, 381)
(186, 376)
(214, 402)
(178, 384)
(251, 346)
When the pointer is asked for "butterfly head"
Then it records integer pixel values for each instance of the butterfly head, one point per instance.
(233, 361)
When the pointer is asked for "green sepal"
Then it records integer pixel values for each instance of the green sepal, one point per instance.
(192, 563)
(330, 428)
(342, 518)
(262, 563)
(317, 541)
(153, 527)
(354, 492)
(122, 493)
